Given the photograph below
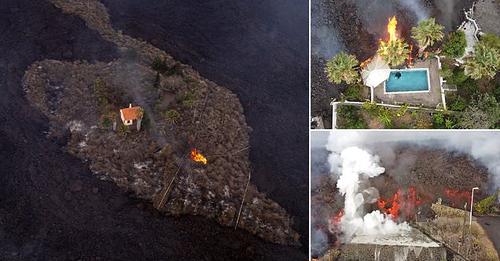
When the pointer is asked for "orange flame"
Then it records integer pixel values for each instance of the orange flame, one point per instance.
(334, 222)
(400, 203)
(338, 217)
(198, 157)
(391, 28)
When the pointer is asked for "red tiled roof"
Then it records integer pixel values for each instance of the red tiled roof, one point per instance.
(131, 113)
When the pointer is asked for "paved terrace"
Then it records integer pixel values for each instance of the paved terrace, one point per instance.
(429, 99)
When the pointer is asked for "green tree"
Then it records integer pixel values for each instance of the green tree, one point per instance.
(394, 52)
(491, 40)
(455, 45)
(341, 68)
(426, 33)
(485, 206)
(482, 113)
(485, 62)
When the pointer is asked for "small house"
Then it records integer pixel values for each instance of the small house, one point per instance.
(132, 114)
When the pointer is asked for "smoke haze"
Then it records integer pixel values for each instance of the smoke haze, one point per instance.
(483, 146)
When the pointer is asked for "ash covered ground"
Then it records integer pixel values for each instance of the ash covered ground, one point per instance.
(259, 51)
(433, 172)
(355, 26)
(52, 207)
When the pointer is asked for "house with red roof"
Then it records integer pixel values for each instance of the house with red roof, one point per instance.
(132, 114)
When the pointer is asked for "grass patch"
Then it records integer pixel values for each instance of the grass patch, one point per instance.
(349, 117)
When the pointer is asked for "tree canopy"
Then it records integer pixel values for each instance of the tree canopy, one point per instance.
(455, 45)
(484, 63)
(394, 52)
(427, 32)
(341, 68)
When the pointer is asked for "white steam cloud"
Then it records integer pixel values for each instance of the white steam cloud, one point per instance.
(483, 146)
(357, 164)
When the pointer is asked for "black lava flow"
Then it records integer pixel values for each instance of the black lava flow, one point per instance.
(51, 206)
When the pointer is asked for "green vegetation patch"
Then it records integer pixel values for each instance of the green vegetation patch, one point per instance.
(486, 206)
(455, 44)
(349, 117)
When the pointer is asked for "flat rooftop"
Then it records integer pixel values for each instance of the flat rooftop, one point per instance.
(413, 238)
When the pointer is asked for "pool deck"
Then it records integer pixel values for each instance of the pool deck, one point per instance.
(427, 99)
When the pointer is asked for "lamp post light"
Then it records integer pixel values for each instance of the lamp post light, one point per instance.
(471, 205)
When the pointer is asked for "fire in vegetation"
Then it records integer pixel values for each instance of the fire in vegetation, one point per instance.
(335, 220)
(198, 157)
(395, 50)
(391, 29)
(401, 203)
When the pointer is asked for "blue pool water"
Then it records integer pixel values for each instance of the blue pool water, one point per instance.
(409, 81)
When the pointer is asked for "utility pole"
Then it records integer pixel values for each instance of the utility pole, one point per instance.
(471, 205)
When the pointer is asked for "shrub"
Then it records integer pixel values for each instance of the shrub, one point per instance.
(159, 65)
(455, 45)
(172, 116)
(446, 72)
(187, 99)
(485, 206)
(458, 103)
(353, 93)
(371, 108)
(402, 110)
(438, 119)
(449, 124)
(457, 76)
(350, 117)
(482, 113)
(385, 117)
(123, 130)
(491, 40)
(176, 69)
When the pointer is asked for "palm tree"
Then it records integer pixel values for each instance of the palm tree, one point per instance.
(394, 52)
(485, 63)
(427, 33)
(341, 67)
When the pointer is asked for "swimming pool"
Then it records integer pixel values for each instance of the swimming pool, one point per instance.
(408, 81)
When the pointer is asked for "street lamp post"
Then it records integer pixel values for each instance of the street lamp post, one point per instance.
(471, 205)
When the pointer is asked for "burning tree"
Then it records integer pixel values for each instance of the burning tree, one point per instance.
(395, 50)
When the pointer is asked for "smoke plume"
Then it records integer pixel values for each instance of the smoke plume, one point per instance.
(357, 164)
(483, 146)
(374, 13)
(416, 7)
